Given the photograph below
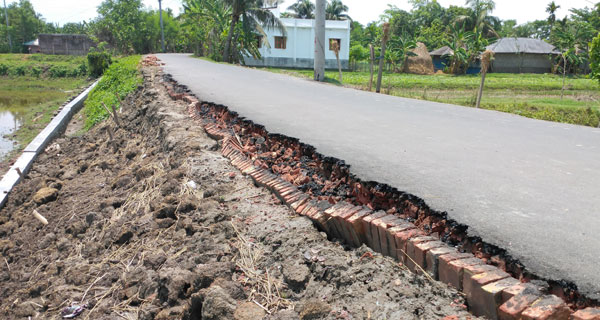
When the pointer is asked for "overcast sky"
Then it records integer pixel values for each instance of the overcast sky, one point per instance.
(364, 11)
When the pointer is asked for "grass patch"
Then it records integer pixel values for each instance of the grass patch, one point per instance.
(121, 78)
(34, 101)
(43, 65)
(530, 95)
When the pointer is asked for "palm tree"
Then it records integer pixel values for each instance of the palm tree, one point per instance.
(303, 9)
(254, 15)
(480, 19)
(336, 10)
(551, 9)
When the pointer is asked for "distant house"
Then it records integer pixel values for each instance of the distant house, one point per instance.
(441, 57)
(33, 46)
(64, 44)
(522, 55)
(297, 49)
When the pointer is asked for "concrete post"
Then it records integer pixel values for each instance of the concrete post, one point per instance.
(320, 41)
(162, 29)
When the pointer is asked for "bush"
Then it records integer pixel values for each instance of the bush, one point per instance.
(595, 57)
(121, 78)
(98, 60)
(3, 69)
(58, 71)
(359, 53)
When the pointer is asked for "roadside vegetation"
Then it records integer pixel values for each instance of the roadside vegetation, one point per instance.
(121, 78)
(531, 95)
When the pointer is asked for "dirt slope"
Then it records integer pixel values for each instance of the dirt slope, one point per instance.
(158, 225)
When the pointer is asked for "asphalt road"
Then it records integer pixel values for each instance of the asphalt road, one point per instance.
(529, 186)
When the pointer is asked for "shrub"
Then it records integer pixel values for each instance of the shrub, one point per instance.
(36, 71)
(58, 71)
(98, 60)
(3, 69)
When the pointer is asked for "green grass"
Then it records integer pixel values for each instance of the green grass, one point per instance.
(43, 65)
(122, 77)
(33, 101)
(530, 95)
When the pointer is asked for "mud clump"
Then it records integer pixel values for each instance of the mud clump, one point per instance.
(155, 226)
(45, 195)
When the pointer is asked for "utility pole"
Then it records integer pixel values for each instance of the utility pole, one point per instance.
(320, 41)
(162, 28)
(7, 32)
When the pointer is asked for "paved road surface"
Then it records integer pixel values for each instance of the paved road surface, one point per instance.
(529, 186)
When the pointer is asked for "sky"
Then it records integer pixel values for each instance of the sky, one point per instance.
(363, 11)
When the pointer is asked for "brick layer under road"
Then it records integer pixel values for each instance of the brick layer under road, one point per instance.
(529, 186)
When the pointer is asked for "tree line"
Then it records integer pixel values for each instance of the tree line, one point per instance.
(468, 30)
(227, 30)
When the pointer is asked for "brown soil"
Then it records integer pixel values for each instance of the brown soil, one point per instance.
(158, 225)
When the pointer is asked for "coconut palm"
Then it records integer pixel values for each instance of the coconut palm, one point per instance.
(480, 18)
(253, 15)
(303, 9)
(551, 9)
(336, 10)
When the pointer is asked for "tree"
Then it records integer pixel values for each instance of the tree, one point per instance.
(480, 18)
(595, 57)
(303, 9)
(399, 49)
(206, 21)
(336, 10)
(254, 15)
(551, 9)
(25, 25)
(122, 24)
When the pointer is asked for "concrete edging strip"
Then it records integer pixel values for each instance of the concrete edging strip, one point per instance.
(39, 143)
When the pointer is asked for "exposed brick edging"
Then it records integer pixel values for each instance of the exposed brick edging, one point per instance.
(489, 290)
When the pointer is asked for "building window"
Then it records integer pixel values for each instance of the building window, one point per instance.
(280, 42)
(333, 42)
(259, 40)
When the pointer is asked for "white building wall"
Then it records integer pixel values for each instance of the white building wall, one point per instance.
(299, 51)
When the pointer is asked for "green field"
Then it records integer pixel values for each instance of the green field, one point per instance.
(531, 95)
(43, 65)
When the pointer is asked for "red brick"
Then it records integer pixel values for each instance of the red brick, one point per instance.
(303, 199)
(487, 300)
(410, 251)
(451, 272)
(367, 225)
(356, 225)
(387, 243)
(321, 220)
(378, 233)
(402, 238)
(432, 259)
(347, 229)
(445, 259)
(420, 252)
(331, 213)
(514, 307)
(473, 286)
(521, 288)
(587, 314)
(469, 271)
(391, 236)
(546, 308)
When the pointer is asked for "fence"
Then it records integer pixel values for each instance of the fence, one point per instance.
(363, 66)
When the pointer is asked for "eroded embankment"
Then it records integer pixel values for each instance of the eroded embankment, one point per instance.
(154, 224)
(329, 180)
